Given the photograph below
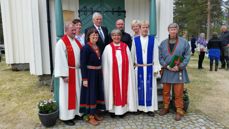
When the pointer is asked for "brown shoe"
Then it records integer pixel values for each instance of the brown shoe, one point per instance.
(92, 120)
(163, 111)
(98, 118)
(178, 117)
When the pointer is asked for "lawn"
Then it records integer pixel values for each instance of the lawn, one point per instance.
(208, 91)
(20, 93)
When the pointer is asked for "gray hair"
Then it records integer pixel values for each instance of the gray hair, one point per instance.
(173, 25)
(96, 14)
(67, 25)
(116, 31)
(202, 35)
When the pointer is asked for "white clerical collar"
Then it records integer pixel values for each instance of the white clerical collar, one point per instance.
(115, 44)
(144, 37)
(70, 38)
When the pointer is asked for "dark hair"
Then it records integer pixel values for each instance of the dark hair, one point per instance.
(75, 21)
(89, 32)
(214, 35)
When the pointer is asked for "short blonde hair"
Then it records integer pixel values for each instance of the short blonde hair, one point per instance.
(144, 22)
(202, 35)
(134, 22)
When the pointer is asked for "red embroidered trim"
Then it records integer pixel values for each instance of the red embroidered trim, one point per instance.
(173, 48)
(96, 50)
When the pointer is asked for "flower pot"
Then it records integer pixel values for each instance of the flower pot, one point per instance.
(49, 120)
(186, 104)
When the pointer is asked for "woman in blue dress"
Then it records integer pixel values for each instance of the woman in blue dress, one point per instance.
(214, 47)
(92, 93)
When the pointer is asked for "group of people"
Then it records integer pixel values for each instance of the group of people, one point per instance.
(117, 72)
(217, 48)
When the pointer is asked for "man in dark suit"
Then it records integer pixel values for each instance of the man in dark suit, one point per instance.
(103, 32)
(126, 38)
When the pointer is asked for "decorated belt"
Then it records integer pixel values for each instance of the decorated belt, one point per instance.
(94, 67)
(143, 65)
(73, 67)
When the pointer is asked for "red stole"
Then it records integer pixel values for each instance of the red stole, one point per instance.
(120, 100)
(71, 72)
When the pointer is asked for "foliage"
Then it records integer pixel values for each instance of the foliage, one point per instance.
(186, 97)
(47, 106)
(191, 15)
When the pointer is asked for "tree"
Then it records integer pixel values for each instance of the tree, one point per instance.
(191, 15)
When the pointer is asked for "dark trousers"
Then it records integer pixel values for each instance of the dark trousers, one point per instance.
(212, 61)
(222, 59)
(193, 49)
(201, 59)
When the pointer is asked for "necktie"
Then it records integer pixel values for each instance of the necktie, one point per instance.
(101, 34)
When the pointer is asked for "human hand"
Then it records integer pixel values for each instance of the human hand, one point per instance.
(155, 73)
(65, 79)
(85, 83)
(175, 68)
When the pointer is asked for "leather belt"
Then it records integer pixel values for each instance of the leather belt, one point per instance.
(94, 67)
(73, 67)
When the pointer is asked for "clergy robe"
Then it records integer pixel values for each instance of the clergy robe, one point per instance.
(111, 98)
(145, 51)
(62, 70)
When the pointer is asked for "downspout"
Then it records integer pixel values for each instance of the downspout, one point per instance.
(49, 35)
(153, 18)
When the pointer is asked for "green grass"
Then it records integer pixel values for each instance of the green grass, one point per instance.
(208, 91)
(19, 95)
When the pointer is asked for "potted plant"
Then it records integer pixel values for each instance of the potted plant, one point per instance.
(48, 112)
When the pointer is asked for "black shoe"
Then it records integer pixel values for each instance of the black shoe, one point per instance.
(151, 114)
(78, 117)
(69, 122)
(112, 115)
(138, 112)
(222, 67)
(122, 116)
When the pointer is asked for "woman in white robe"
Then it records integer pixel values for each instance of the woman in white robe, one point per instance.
(120, 92)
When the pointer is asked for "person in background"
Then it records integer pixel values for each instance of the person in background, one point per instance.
(103, 40)
(225, 47)
(135, 26)
(78, 25)
(201, 48)
(126, 38)
(193, 44)
(214, 47)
